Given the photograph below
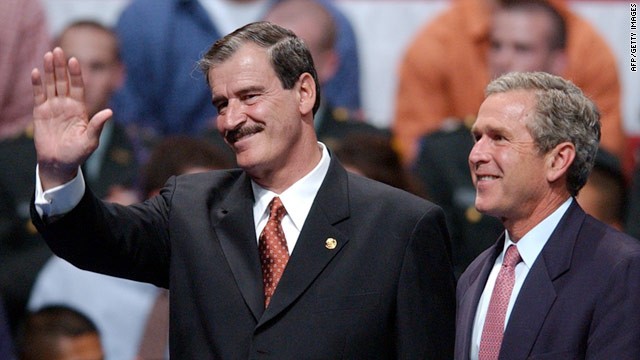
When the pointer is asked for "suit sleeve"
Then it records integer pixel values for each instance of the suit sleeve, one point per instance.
(615, 329)
(125, 241)
(426, 294)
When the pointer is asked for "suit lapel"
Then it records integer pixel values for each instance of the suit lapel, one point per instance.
(469, 300)
(311, 255)
(538, 294)
(236, 232)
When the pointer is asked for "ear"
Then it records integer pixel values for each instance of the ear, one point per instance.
(558, 62)
(558, 160)
(306, 88)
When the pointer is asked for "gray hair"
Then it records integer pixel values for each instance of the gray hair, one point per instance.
(288, 54)
(563, 114)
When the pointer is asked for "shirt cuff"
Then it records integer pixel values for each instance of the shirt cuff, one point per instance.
(60, 199)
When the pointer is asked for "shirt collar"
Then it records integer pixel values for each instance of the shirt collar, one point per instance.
(532, 242)
(298, 198)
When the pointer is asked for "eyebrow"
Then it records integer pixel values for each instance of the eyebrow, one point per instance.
(250, 89)
(491, 129)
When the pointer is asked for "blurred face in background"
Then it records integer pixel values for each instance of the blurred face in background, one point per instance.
(311, 22)
(521, 41)
(97, 51)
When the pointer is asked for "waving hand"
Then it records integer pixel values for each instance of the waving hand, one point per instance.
(64, 135)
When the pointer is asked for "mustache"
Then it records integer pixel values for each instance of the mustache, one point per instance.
(234, 135)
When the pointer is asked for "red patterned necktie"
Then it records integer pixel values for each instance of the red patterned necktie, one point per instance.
(493, 328)
(273, 249)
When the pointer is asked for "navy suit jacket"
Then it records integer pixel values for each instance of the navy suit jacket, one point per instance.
(385, 292)
(580, 300)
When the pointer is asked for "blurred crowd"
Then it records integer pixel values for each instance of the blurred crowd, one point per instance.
(145, 69)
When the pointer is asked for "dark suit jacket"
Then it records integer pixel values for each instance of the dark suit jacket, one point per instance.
(385, 292)
(580, 300)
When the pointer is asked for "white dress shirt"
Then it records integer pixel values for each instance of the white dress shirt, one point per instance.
(60, 199)
(297, 200)
(529, 248)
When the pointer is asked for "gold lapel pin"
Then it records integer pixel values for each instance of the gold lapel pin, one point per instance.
(331, 243)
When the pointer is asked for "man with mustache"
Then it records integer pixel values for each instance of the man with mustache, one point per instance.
(289, 257)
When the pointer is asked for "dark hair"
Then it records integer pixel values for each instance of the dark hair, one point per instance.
(558, 37)
(39, 335)
(288, 54)
(175, 155)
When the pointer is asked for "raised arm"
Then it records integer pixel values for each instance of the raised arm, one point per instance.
(63, 134)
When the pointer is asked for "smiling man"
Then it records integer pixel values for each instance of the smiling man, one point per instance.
(255, 115)
(289, 257)
(558, 284)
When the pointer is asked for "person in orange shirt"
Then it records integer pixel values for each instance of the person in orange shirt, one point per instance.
(524, 36)
(446, 68)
